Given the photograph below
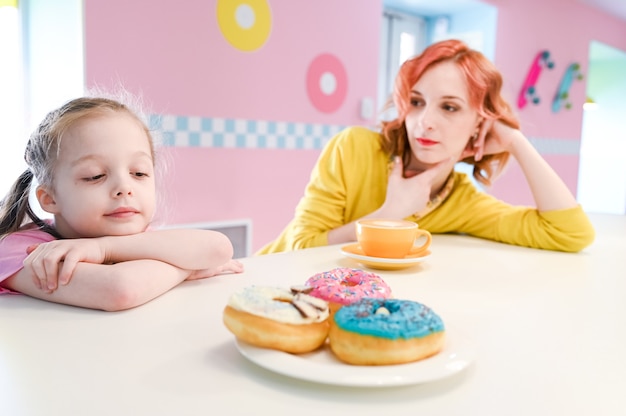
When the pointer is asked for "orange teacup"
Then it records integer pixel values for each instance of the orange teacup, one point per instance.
(393, 239)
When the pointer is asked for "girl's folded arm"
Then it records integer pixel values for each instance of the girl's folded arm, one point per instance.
(110, 287)
(188, 249)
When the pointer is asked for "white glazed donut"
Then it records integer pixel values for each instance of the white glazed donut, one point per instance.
(277, 318)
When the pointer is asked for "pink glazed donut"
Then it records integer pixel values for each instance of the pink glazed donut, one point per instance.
(344, 286)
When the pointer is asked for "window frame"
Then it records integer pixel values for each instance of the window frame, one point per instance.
(393, 25)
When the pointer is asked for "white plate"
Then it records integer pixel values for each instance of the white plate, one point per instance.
(322, 366)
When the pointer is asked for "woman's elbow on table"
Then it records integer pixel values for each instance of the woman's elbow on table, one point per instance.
(584, 240)
(575, 242)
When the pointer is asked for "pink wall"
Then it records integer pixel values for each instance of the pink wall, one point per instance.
(565, 28)
(264, 185)
(177, 58)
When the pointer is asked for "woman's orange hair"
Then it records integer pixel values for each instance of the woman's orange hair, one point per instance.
(484, 83)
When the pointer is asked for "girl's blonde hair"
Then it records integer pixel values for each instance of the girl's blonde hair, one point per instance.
(484, 83)
(42, 152)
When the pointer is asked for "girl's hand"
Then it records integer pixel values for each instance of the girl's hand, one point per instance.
(494, 137)
(233, 266)
(406, 196)
(53, 263)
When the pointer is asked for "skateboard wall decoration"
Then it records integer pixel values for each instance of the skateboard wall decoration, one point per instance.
(529, 89)
(561, 98)
(528, 93)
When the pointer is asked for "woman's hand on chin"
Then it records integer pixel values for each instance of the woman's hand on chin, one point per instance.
(410, 194)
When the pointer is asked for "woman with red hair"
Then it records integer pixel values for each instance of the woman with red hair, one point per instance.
(449, 110)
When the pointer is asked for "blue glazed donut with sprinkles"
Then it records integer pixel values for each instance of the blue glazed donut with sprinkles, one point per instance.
(385, 331)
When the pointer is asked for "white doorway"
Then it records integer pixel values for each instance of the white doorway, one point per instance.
(602, 169)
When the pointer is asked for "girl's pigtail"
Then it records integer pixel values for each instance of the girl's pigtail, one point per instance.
(15, 204)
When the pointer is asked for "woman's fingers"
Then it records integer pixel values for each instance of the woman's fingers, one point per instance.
(479, 143)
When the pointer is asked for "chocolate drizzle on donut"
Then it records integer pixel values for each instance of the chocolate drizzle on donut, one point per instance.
(308, 306)
(306, 309)
(295, 289)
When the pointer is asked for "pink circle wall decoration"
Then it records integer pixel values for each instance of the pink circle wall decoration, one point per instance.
(326, 83)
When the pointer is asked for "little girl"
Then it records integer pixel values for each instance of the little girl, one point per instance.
(94, 161)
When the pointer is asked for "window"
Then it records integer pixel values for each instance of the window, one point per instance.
(12, 114)
(41, 56)
(402, 36)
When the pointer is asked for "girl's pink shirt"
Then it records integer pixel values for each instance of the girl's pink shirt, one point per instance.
(13, 251)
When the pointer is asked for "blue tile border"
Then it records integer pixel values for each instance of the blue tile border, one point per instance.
(186, 131)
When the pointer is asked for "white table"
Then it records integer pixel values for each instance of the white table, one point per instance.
(550, 330)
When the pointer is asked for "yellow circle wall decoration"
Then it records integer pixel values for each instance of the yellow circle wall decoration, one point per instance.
(246, 24)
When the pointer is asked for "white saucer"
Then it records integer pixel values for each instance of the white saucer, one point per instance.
(355, 252)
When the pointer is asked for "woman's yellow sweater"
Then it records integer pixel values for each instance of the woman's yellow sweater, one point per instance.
(349, 181)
